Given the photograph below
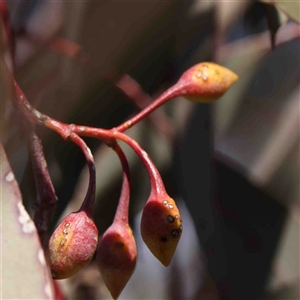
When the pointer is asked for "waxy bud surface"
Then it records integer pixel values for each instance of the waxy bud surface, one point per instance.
(116, 257)
(161, 228)
(72, 245)
(205, 82)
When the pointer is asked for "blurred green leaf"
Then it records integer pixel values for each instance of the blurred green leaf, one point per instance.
(291, 8)
(24, 270)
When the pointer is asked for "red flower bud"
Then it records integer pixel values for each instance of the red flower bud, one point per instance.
(72, 245)
(116, 257)
(161, 228)
(205, 82)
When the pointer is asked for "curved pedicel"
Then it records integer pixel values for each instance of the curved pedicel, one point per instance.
(74, 242)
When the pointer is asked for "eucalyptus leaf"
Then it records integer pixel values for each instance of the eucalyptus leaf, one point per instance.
(24, 271)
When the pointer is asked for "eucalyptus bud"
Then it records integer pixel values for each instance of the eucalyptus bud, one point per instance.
(116, 257)
(72, 245)
(161, 227)
(205, 82)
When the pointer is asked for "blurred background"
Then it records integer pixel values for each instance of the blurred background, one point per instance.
(233, 166)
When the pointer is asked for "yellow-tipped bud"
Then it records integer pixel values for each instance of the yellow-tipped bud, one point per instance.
(206, 82)
(161, 228)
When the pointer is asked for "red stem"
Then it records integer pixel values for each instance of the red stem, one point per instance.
(108, 136)
(136, 94)
(25, 107)
(157, 185)
(88, 203)
(121, 215)
(169, 94)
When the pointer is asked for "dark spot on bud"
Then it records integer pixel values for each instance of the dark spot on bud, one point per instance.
(170, 219)
(175, 233)
(163, 239)
(119, 244)
(53, 274)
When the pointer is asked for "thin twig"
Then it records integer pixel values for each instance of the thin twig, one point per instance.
(141, 99)
(122, 212)
(157, 185)
(163, 98)
(89, 201)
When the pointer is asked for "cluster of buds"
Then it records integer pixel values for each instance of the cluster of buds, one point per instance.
(75, 241)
